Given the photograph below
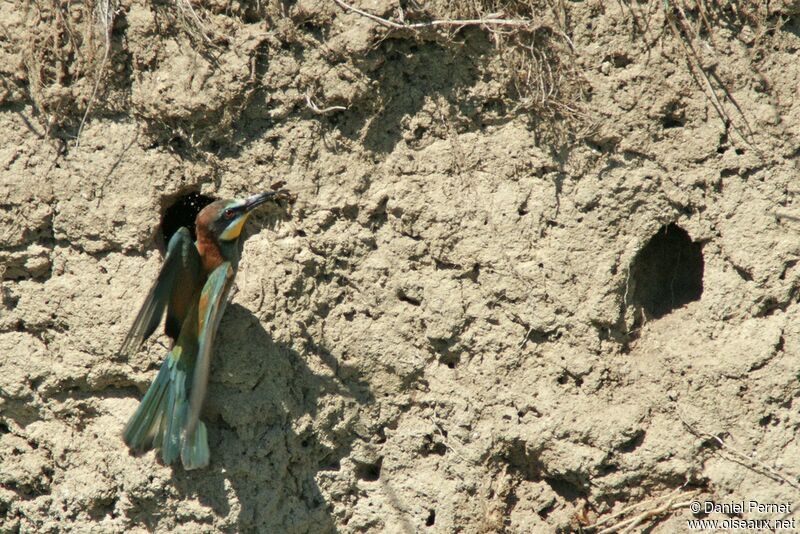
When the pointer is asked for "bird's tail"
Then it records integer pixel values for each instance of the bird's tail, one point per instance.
(160, 419)
(194, 453)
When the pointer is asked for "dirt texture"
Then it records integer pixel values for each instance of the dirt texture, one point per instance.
(535, 275)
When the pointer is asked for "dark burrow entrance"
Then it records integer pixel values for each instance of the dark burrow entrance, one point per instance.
(667, 273)
(183, 212)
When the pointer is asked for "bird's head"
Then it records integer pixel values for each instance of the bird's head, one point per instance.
(224, 219)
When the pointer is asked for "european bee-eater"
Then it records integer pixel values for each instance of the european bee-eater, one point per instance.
(193, 287)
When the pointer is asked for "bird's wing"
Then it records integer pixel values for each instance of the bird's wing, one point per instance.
(176, 282)
(211, 306)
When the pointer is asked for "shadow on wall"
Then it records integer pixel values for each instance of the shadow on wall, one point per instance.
(403, 77)
(407, 75)
(262, 476)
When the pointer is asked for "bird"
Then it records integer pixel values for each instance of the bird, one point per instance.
(192, 286)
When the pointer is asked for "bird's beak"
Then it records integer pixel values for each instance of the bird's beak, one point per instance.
(254, 201)
(244, 208)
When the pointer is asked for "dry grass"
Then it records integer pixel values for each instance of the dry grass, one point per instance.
(640, 515)
(533, 57)
(66, 53)
(74, 65)
(105, 12)
(695, 25)
(537, 59)
(71, 59)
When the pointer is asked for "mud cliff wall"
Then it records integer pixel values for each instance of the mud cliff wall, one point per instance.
(536, 273)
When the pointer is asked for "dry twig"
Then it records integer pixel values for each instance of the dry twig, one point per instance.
(321, 111)
(658, 507)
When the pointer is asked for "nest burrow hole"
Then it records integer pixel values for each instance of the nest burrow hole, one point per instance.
(667, 272)
(182, 212)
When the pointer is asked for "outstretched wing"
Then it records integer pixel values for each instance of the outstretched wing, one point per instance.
(210, 308)
(177, 282)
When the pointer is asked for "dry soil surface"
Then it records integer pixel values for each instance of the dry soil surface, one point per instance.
(521, 289)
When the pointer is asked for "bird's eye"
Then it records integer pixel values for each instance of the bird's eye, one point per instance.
(228, 214)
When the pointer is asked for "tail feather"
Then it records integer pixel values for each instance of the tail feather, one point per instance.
(195, 453)
(174, 413)
(160, 420)
(143, 427)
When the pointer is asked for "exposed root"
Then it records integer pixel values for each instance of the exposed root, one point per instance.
(66, 58)
(457, 23)
(653, 509)
(193, 24)
(693, 24)
(734, 455)
(105, 12)
(686, 40)
(531, 42)
(321, 111)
